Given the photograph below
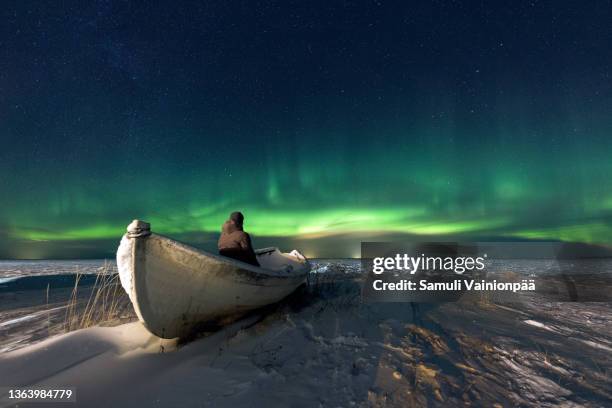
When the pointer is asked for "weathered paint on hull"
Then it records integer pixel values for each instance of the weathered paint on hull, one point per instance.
(174, 287)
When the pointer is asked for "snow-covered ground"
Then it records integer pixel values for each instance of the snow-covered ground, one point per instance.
(325, 347)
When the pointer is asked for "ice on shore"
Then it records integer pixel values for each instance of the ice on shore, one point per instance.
(330, 349)
(326, 347)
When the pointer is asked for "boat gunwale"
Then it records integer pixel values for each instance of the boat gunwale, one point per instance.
(243, 266)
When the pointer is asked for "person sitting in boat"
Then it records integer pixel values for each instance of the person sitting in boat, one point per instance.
(234, 242)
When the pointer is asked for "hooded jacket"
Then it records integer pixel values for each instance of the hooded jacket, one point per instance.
(235, 243)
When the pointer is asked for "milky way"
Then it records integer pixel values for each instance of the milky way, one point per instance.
(316, 120)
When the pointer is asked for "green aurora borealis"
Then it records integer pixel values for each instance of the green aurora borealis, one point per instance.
(412, 127)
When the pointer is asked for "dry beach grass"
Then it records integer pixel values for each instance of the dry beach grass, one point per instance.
(31, 312)
(105, 305)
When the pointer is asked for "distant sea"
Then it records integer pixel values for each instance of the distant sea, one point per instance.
(11, 270)
(14, 269)
(19, 276)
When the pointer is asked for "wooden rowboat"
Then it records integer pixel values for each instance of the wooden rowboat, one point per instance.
(174, 287)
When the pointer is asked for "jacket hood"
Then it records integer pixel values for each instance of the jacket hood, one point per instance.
(230, 226)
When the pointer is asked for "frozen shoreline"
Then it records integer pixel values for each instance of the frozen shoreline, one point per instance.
(327, 348)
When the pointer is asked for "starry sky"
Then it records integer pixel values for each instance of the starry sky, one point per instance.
(326, 123)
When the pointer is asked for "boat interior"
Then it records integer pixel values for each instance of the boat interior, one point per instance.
(275, 260)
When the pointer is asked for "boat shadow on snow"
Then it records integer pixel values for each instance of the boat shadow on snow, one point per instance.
(322, 293)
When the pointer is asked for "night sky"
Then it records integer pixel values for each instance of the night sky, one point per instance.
(326, 123)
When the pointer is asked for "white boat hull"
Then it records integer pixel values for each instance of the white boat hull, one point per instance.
(174, 287)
